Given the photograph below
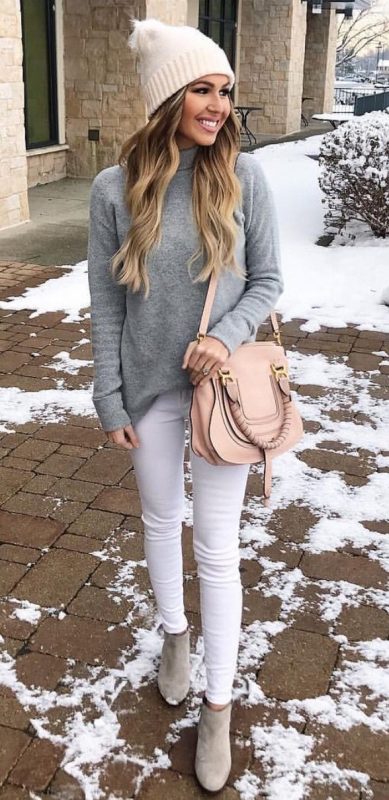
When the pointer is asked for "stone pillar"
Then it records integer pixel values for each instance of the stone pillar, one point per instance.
(271, 38)
(13, 161)
(173, 12)
(320, 58)
(102, 87)
(193, 13)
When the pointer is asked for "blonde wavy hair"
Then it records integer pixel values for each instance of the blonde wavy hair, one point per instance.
(151, 158)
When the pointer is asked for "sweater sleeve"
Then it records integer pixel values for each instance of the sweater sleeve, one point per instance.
(108, 308)
(264, 281)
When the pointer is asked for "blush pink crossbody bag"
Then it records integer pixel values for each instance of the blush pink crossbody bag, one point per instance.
(246, 414)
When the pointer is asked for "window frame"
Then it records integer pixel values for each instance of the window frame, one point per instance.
(50, 28)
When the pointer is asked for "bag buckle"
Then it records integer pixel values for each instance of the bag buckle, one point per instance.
(200, 337)
(277, 336)
(225, 375)
(279, 372)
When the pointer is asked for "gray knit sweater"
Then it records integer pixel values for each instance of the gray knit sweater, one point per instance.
(138, 344)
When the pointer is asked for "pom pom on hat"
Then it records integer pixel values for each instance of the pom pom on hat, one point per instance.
(172, 56)
(145, 34)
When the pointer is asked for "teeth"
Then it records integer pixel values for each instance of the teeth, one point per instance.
(207, 123)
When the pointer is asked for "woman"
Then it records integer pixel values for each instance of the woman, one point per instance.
(180, 206)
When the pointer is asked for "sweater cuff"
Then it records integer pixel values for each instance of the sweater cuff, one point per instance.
(111, 413)
(226, 334)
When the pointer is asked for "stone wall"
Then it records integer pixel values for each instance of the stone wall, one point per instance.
(46, 167)
(320, 58)
(13, 162)
(271, 38)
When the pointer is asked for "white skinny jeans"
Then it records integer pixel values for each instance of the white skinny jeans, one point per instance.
(218, 493)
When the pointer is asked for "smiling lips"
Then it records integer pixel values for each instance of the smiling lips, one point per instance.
(208, 124)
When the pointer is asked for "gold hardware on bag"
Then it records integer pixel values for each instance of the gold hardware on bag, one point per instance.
(200, 337)
(279, 372)
(277, 336)
(225, 375)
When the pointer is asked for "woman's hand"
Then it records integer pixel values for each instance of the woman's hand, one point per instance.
(209, 354)
(124, 437)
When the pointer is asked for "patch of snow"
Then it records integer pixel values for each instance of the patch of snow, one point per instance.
(319, 370)
(286, 757)
(255, 642)
(354, 682)
(248, 785)
(327, 286)
(68, 293)
(311, 326)
(26, 611)
(64, 363)
(49, 405)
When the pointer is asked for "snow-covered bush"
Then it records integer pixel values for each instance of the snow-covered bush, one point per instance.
(354, 176)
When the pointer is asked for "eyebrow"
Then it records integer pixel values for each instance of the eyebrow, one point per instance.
(208, 83)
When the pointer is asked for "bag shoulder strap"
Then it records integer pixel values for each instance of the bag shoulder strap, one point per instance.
(204, 322)
(210, 297)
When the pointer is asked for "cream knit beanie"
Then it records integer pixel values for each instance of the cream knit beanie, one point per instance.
(172, 56)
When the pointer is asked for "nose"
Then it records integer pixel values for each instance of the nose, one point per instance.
(215, 102)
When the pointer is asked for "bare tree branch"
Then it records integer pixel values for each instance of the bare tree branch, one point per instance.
(357, 35)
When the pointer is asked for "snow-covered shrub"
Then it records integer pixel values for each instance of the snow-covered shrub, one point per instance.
(354, 176)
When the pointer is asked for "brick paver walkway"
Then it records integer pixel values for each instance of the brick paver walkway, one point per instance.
(71, 543)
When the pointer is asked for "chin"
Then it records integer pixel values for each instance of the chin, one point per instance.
(205, 141)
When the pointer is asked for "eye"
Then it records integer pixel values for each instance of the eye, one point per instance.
(205, 89)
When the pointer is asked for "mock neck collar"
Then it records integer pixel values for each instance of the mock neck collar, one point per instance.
(187, 158)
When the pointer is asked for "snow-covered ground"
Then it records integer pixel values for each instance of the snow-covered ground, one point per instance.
(331, 287)
(325, 286)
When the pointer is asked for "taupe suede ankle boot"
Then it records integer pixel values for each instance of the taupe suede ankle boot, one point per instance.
(174, 670)
(213, 753)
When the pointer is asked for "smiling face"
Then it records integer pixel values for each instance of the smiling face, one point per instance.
(206, 108)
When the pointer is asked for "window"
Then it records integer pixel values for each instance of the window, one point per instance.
(217, 19)
(39, 72)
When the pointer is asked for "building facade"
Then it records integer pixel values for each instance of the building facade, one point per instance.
(70, 91)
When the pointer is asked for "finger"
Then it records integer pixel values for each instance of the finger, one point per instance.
(198, 354)
(203, 356)
(212, 374)
(199, 377)
(131, 436)
(120, 439)
(187, 355)
(196, 361)
(195, 377)
(211, 365)
(199, 357)
(113, 436)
